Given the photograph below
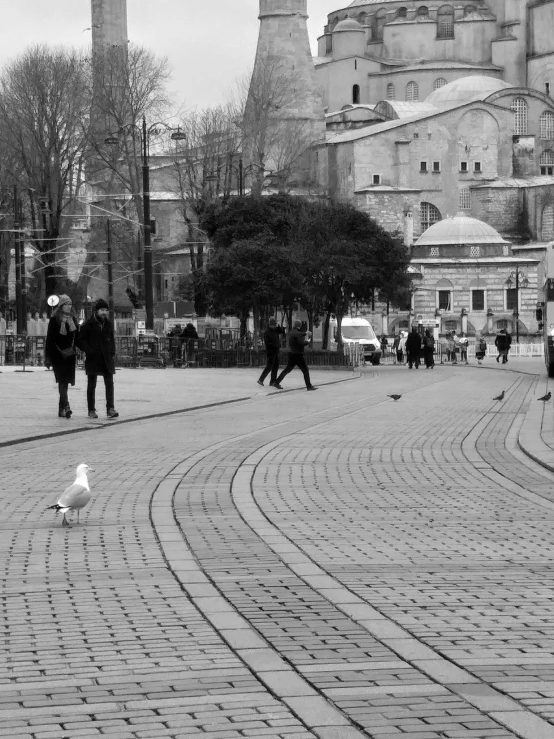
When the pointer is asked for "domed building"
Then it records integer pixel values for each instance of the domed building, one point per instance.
(465, 280)
(373, 50)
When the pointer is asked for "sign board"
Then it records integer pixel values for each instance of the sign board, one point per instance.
(170, 323)
(141, 331)
(140, 314)
(141, 325)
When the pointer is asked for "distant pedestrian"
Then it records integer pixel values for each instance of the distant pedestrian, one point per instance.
(462, 345)
(174, 337)
(189, 337)
(451, 351)
(298, 339)
(401, 350)
(503, 342)
(480, 349)
(272, 341)
(60, 350)
(413, 348)
(384, 345)
(97, 340)
(429, 349)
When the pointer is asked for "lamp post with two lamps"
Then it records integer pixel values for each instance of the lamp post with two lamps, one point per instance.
(145, 132)
(520, 280)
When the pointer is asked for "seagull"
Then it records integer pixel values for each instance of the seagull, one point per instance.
(501, 396)
(394, 397)
(76, 496)
(546, 397)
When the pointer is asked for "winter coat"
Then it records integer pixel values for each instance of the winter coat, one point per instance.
(297, 341)
(271, 338)
(503, 342)
(96, 339)
(189, 332)
(413, 343)
(64, 369)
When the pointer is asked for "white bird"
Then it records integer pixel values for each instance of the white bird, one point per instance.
(76, 496)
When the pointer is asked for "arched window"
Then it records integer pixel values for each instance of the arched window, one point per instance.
(391, 92)
(422, 12)
(429, 214)
(547, 231)
(440, 82)
(547, 125)
(379, 20)
(445, 22)
(356, 95)
(402, 13)
(362, 19)
(547, 162)
(520, 108)
(469, 10)
(412, 91)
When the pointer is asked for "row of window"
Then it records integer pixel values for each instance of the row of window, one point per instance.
(436, 167)
(412, 89)
(478, 300)
(445, 19)
(520, 109)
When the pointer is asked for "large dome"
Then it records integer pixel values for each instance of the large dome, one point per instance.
(459, 231)
(475, 87)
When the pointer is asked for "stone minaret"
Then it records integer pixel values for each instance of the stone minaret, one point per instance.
(284, 91)
(109, 24)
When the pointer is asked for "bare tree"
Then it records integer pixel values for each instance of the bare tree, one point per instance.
(44, 113)
(276, 136)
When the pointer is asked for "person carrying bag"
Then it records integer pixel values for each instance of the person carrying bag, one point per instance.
(60, 352)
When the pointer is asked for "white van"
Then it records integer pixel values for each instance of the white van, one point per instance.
(360, 331)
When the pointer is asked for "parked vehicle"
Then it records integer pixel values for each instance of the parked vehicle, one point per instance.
(360, 331)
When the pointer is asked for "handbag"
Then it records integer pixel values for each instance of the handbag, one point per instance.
(69, 352)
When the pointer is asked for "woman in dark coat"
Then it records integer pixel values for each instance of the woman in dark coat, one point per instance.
(63, 333)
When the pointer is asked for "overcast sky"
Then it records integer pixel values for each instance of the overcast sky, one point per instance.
(210, 43)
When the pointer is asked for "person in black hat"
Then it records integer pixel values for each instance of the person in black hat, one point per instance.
(96, 339)
(60, 354)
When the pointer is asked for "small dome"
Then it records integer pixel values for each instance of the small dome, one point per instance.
(459, 231)
(475, 87)
(349, 24)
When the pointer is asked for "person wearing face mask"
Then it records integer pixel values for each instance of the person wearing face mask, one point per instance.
(96, 339)
(60, 353)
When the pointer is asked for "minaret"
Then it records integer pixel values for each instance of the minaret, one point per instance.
(109, 24)
(284, 94)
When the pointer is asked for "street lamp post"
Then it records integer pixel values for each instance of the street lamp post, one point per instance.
(518, 277)
(145, 132)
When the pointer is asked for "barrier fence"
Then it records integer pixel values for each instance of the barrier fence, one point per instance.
(146, 351)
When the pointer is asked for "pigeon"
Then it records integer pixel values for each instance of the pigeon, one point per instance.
(501, 396)
(394, 397)
(546, 397)
(76, 496)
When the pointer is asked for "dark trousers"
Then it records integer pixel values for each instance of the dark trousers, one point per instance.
(296, 360)
(64, 399)
(91, 391)
(429, 357)
(413, 358)
(272, 366)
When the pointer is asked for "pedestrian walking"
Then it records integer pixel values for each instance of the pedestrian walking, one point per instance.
(60, 351)
(189, 337)
(480, 349)
(429, 350)
(503, 342)
(384, 345)
(451, 338)
(272, 343)
(298, 339)
(413, 348)
(96, 339)
(401, 350)
(175, 343)
(462, 344)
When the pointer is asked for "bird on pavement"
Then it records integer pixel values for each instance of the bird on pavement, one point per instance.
(546, 397)
(76, 496)
(394, 397)
(501, 396)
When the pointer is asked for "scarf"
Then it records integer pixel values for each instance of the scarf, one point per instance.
(67, 323)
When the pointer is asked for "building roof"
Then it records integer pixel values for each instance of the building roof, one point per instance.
(430, 261)
(474, 87)
(395, 109)
(516, 182)
(458, 231)
(355, 3)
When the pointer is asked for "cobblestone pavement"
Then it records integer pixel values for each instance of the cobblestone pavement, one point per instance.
(329, 565)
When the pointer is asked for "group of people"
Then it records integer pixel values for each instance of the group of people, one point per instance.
(96, 339)
(414, 346)
(297, 341)
(181, 339)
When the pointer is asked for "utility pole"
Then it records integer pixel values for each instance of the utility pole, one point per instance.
(20, 276)
(110, 270)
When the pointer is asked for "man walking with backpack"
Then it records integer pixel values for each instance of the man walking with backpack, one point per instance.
(297, 341)
(413, 348)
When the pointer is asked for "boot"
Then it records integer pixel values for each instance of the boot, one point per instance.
(68, 412)
(112, 413)
(61, 412)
